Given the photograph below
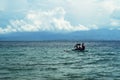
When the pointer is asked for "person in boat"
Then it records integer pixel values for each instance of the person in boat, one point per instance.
(80, 47)
(77, 46)
(83, 47)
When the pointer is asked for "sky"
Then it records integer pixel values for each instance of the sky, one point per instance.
(58, 16)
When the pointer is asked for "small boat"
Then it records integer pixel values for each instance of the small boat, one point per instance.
(78, 48)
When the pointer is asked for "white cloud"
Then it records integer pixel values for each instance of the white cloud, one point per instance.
(52, 20)
(108, 5)
(115, 23)
(39, 16)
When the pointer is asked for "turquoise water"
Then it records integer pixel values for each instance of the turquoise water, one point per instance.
(47, 60)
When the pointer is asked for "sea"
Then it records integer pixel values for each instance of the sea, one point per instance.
(55, 60)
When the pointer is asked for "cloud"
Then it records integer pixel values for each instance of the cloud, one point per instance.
(115, 14)
(58, 16)
(115, 22)
(108, 5)
(115, 19)
(51, 20)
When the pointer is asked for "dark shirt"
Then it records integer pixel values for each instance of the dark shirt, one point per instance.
(83, 47)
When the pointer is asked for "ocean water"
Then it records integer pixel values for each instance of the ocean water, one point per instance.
(49, 60)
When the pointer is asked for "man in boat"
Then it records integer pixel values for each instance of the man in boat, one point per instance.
(83, 47)
(77, 46)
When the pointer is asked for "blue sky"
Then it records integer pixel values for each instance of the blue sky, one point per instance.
(58, 16)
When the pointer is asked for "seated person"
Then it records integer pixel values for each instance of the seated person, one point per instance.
(83, 46)
(77, 46)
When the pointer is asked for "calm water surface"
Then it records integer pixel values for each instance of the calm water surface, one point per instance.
(47, 60)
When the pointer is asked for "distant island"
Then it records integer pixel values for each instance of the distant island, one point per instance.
(101, 34)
